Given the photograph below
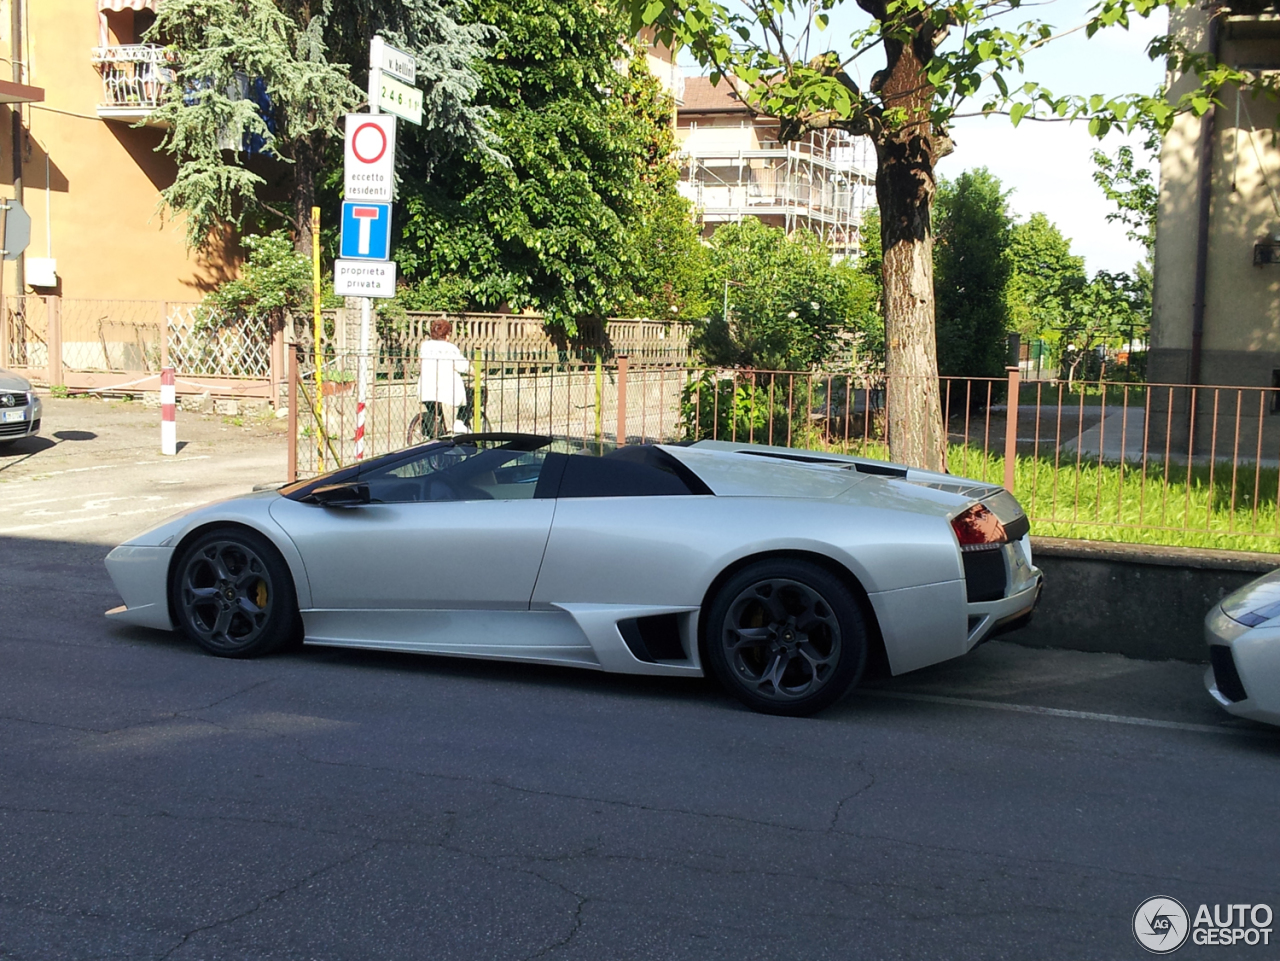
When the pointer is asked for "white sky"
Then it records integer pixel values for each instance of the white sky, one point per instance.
(1047, 164)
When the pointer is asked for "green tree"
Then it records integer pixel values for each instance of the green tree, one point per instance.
(672, 264)
(941, 60)
(590, 177)
(1106, 312)
(786, 300)
(972, 226)
(871, 256)
(274, 280)
(1044, 277)
(1130, 186)
(261, 85)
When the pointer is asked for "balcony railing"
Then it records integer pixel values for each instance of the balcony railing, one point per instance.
(134, 78)
(827, 202)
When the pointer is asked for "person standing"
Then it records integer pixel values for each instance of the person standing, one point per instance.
(440, 386)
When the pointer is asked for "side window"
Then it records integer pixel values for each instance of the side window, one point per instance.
(628, 472)
(456, 473)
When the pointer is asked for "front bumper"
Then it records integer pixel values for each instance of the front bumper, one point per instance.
(141, 576)
(28, 426)
(1244, 675)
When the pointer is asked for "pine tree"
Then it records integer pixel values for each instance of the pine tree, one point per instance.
(261, 87)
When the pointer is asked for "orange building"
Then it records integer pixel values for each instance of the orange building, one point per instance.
(91, 176)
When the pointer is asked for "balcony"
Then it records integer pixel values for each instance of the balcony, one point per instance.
(821, 203)
(134, 78)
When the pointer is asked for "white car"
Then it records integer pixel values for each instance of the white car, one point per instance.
(777, 570)
(19, 408)
(1243, 632)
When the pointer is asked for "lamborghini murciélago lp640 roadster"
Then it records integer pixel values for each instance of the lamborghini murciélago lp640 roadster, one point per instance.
(778, 571)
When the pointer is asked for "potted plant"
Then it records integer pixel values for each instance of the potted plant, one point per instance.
(337, 382)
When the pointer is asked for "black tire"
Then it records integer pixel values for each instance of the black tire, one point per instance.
(420, 430)
(786, 637)
(414, 434)
(232, 593)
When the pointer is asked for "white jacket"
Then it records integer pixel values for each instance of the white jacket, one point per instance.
(442, 368)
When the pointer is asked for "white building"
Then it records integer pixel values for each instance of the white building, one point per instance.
(734, 166)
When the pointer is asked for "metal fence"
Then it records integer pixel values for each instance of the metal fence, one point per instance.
(1156, 463)
(526, 338)
(119, 345)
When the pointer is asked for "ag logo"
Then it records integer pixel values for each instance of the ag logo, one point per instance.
(1161, 925)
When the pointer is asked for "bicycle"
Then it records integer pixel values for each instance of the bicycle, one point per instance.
(433, 426)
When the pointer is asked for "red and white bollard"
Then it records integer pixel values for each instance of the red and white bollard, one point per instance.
(168, 413)
(362, 372)
(360, 424)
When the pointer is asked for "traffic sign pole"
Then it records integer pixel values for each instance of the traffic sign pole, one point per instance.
(365, 265)
(366, 304)
(317, 401)
(5, 359)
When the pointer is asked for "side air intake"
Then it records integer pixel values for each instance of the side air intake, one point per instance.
(653, 638)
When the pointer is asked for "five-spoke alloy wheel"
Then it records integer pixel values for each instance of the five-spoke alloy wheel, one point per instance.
(786, 637)
(232, 594)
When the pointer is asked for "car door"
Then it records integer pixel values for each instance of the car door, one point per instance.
(455, 529)
(629, 530)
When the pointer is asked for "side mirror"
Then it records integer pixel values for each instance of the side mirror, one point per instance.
(349, 494)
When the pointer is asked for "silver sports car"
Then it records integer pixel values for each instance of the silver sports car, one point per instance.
(779, 571)
(1243, 632)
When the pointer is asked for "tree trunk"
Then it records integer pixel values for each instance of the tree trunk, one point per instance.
(905, 187)
(306, 168)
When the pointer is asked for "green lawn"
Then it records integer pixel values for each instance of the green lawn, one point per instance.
(1122, 503)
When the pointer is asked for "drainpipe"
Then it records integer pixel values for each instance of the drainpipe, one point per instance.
(1202, 227)
(15, 111)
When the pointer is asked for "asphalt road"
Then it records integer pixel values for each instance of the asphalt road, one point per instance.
(159, 803)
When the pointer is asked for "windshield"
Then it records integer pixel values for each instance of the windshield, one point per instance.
(458, 448)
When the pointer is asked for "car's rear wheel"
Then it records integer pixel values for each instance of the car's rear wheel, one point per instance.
(786, 637)
(232, 594)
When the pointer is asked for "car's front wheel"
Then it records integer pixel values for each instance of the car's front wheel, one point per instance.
(232, 594)
(786, 637)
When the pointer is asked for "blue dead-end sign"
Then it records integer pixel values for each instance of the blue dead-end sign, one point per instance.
(366, 231)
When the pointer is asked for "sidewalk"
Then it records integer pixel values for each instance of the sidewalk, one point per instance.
(96, 473)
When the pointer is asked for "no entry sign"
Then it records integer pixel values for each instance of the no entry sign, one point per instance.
(369, 157)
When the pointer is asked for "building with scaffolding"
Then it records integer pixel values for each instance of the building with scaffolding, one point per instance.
(733, 165)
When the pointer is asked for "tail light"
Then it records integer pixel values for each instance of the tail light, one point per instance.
(977, 529)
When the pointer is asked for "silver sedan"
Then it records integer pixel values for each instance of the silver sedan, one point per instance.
(780, 572)
(20, 408)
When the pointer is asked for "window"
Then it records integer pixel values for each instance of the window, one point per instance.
(640, 471)
(458, 473)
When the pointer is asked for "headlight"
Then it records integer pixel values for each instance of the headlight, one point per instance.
(1259, 616)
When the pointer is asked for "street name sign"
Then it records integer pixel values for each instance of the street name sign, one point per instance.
(400, 99)
(366, 231)
(364, 278)
(369, 157)
(399, 63)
